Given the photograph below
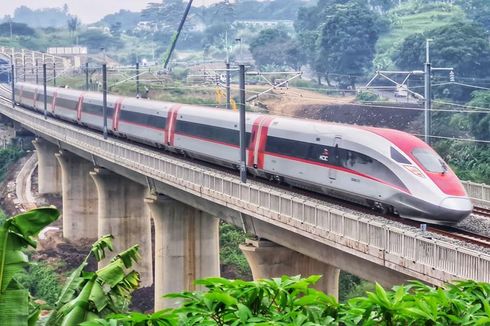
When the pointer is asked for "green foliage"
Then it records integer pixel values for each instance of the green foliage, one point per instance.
(348, 38)
(292, 301)
(351, 286)
(7, 157)
(18, 29)
(469, 160)
(276, 47)
(179, 73)
(366, 96)
(230, 254)
(412, 17)
(16, 234)
(462, 46)
(94, 40)
(91, 295)
(479, 10)
(42, 282)
(39, 18)
(479, 123)
(339, 36)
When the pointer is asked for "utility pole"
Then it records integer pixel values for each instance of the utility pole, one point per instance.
(24, 65)
(137, 79)
(16, 69)
(104, 92)
(228, 86)
(427, 97)
(37, 71)
(54, 73)
(228, 73)
(45, 92)
(427, 94)
(13, 82)
(86, 76)
(243, 157)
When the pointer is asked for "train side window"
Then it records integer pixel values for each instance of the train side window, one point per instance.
(398, 157)
(321, 153)
(369, 166)
(92, 108)
(288, 147)
(219, 134)
(66, 104)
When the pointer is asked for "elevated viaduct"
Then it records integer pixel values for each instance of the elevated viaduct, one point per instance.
(112, 186)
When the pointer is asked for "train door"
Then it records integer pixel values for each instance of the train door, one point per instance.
(337, 142)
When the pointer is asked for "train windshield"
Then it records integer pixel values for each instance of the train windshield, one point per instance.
(430, 161)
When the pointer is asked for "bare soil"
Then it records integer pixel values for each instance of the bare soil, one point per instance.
(312, 105)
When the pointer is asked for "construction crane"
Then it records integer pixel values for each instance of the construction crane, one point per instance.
(175, 37)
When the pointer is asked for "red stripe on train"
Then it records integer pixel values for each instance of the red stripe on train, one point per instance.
(171, 124)
(53, 102)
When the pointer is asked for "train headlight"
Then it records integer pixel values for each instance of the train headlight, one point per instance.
(414, 170)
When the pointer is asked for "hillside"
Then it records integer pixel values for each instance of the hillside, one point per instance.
(410, 18)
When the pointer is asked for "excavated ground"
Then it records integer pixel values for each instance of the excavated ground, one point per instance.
(306, 104)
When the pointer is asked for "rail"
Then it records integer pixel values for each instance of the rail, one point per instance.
(406, 251)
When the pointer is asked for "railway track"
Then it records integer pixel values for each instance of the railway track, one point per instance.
(482, 211)
(462, 235)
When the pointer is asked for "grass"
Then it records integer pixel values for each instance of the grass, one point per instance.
(412, 18)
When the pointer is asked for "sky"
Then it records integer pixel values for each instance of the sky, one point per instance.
(89, 11)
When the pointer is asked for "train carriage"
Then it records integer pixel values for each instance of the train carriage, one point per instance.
(381, 168)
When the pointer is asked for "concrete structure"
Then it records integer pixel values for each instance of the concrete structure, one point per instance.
(268, 260)
(371, 249)
(29, 63)
(479, 193)
(49, 170)
(77, 55)
(122, 213)
(79, 197)
(186, 247)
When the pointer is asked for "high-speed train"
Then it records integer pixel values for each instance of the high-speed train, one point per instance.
(384, 169)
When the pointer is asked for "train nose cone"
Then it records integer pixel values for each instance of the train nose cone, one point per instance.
(456, 208)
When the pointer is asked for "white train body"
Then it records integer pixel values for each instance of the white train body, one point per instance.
(377, 167)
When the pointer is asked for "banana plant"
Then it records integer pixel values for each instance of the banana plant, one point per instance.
(16, 234)
(91, 295)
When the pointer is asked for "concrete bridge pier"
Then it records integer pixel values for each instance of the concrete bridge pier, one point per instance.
(123, 213)
(186, 247)
(268, 259)
(49, 171)
(79, 197)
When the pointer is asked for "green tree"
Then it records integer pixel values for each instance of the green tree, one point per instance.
(479, 123)
(478, 10)
(463, 46)
(73, 24)
(16, 234)
(95, 40)
(115, 29)
(165, 13)
(17, 29)
(347, 40)
(275, 47)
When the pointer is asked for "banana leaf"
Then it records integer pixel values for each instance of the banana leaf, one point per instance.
(16, 234)
(89, 295)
